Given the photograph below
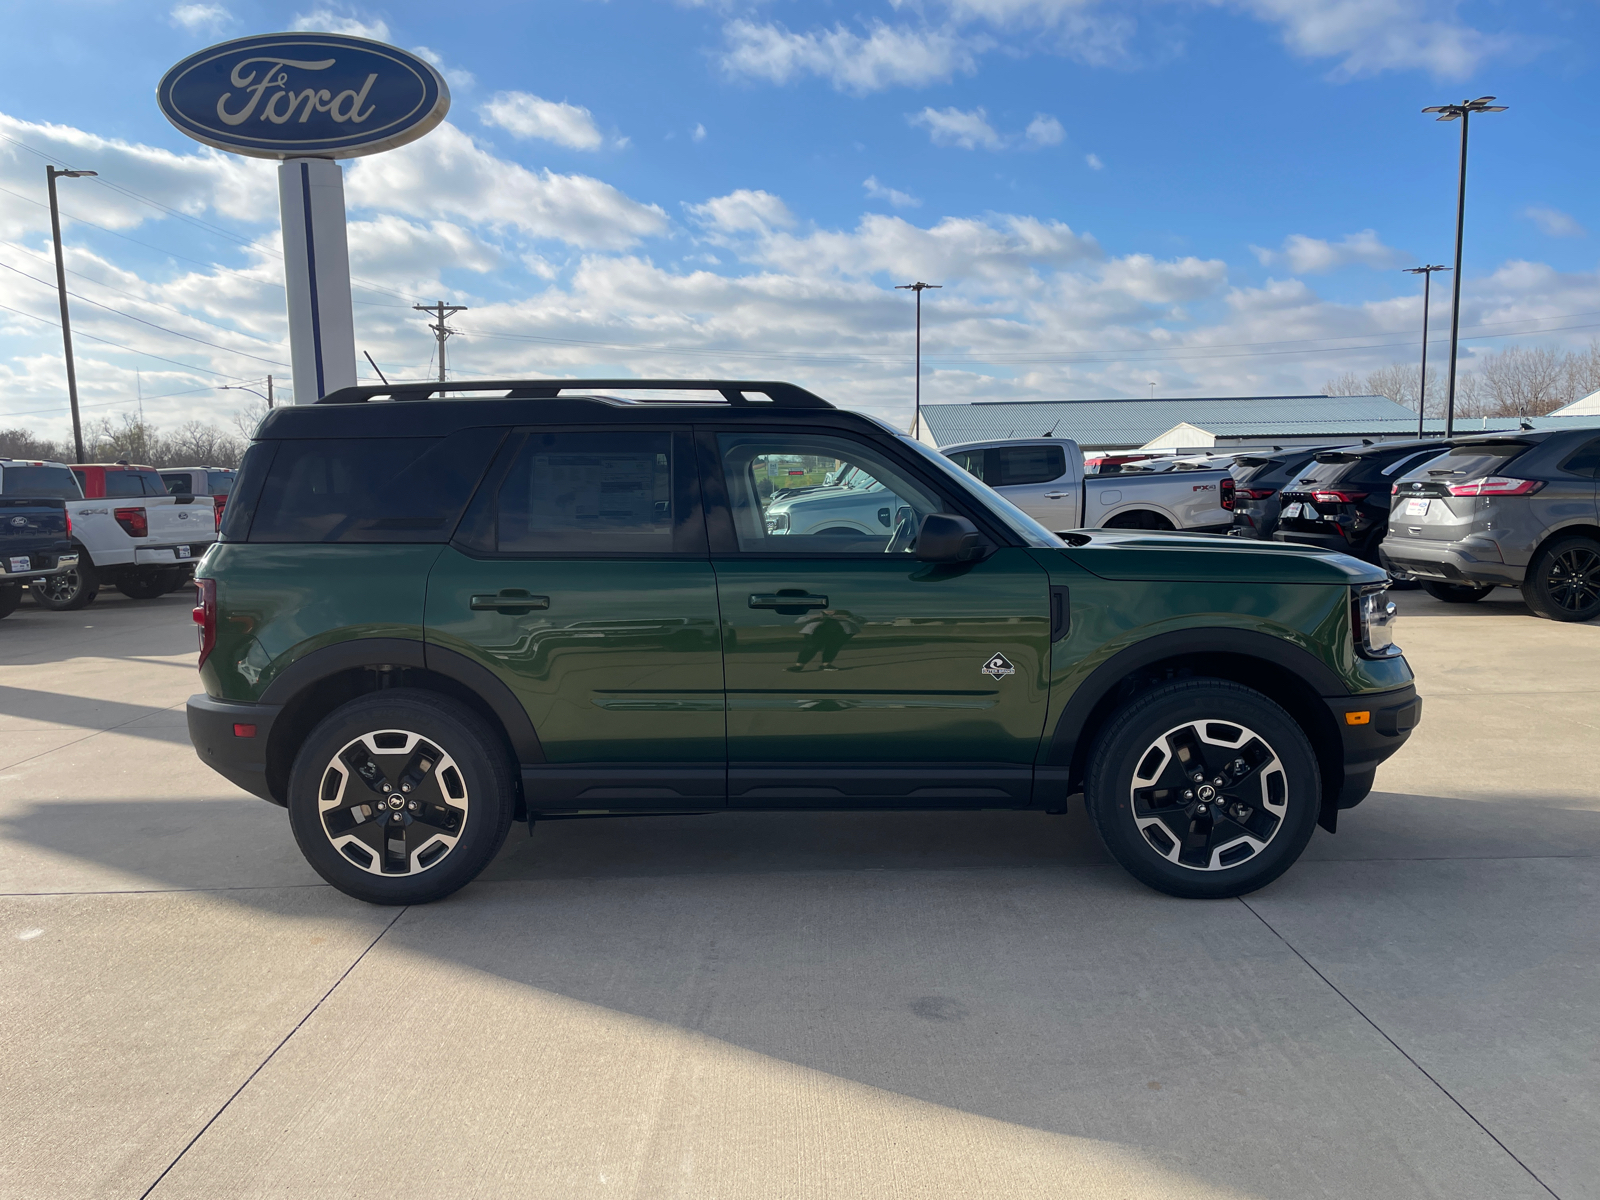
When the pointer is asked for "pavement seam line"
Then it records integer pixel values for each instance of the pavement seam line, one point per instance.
(261, 1066)
(1426, 1074)
(93, 734)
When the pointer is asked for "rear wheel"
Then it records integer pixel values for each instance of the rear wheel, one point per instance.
(178, 577)
(1563, 582)
(1204, 788)
(10, 597)
(1457, 593)
(400, 797)
(69, 590)
(144, 585)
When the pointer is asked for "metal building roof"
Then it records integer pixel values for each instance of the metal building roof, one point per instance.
(1107, 424)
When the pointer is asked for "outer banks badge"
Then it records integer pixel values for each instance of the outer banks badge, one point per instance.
(998, 668)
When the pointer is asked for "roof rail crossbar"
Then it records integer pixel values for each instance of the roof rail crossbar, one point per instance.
(734, 391)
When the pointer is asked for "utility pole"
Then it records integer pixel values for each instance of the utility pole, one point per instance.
(1449, 112)
(269, 393)
(50, 173)
(1422, 386)
(918, 288)
(441, 310)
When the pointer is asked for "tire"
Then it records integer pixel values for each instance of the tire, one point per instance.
(143, 585)
(10, 597)
(178, 577)
(466, 797)
(1563, 581)
(1457, 593)
(1272, 793)
(68, 591)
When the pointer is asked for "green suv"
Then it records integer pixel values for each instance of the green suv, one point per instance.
(429, 617)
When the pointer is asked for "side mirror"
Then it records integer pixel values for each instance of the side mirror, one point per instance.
(947, 538)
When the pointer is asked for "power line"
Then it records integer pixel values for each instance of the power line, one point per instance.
(120, 346)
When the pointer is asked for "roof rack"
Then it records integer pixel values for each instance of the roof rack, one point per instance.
(778, 394)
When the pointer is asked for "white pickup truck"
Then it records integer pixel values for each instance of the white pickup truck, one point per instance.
(128, 532)
(1044, 477)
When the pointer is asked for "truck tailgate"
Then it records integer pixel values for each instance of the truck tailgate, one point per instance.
(180, 520)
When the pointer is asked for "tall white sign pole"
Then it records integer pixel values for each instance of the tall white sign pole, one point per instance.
(316, 275)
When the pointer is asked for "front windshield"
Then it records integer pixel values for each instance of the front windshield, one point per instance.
(1020, 523)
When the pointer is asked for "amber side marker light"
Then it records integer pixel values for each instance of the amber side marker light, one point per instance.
(1358, 718)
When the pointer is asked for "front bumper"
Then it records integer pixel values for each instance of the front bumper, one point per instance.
(215, 731)
(1448, 562)
(35, 566)
(1368, 740)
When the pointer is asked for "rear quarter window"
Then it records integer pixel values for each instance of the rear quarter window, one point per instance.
(370, 489)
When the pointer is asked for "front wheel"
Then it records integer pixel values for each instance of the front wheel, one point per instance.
(67, 590)
(1203, 788)
(1457, 593)
(1563, 582)
(400, 797)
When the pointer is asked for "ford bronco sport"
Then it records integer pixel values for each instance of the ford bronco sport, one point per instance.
(429, 617)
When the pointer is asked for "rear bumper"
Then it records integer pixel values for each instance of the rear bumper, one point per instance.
(37, 567)
(177, 554)
(1328, 541)
(214, 730)
(1449, 562)
(1367, 742)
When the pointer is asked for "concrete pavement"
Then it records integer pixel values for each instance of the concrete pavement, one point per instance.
(828, 1005)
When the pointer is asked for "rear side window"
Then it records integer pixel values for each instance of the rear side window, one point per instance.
(126, 483)
(588, 493)
(1586, 461)
(219, 483)
(40, 481)
(178, 484)
(371, 489)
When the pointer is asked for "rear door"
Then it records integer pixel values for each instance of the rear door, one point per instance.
(856, 674)
(580, 578)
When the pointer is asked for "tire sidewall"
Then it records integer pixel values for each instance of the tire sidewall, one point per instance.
(1537, 594)
(88, 587)
(1128, 735)
(455, 729)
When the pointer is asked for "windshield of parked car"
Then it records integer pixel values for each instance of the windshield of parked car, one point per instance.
(40, 481)
(1018, 522)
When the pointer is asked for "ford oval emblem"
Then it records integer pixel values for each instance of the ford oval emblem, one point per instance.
(19, 522)
(303, 95)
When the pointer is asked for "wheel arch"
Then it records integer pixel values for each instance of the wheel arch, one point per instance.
(1144, 511)
(1576, 529)
(315, 684)
(1291, 677)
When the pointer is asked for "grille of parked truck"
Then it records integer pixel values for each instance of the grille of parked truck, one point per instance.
(428, 617)
(1515, 511)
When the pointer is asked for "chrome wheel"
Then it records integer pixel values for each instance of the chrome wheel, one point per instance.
(1208, 795)
(393, 803)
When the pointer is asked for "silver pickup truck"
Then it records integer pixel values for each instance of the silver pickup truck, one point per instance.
(1042, 476)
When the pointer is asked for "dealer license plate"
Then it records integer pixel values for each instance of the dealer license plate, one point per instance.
(181, 551)
(1291, 511)
(18, 565)
(1417, 507)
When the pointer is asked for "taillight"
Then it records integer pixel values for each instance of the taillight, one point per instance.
(1259, 493)
(1338, 497)
(69, 522)
(1228, 487)
(220, 503)
(1497, 485)
(134, 522)
(205, 616)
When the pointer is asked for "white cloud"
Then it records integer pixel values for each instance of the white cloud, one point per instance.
(886, 56)
(744, 211)
(1552, 222)
(525, 115)
(1045, 130)
(953, 127)
(325, 20)
(894, 196)
(1094, 162)
(456, 77)
(1308, 255)
(198, 18)
(447, 174)
(698, 133)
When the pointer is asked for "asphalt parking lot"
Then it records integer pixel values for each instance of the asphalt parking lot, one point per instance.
(929, 1005)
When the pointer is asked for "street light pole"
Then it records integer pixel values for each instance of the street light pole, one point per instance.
(918, 288)
(50, 174)
(1449, 112)
(1422, 386)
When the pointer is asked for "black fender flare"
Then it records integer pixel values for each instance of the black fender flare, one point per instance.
(1246, 643)
(310, 669)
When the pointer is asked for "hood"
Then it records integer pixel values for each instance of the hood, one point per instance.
(1211, 558)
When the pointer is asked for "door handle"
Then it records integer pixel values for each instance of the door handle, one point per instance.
(768, 600)
(509, 601)
(1055, 495)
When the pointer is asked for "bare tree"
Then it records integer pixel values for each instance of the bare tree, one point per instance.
(1527, 382)
(21, 443)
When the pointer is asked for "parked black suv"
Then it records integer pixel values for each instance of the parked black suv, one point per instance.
(1506, 509)
(1342, 501)
(1259, 480)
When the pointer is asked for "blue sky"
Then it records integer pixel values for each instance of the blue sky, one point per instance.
(1214, 196)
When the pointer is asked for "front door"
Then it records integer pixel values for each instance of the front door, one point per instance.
(856, 674)
(581, 579)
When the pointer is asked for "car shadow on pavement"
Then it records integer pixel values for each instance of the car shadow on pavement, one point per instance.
(88, 712)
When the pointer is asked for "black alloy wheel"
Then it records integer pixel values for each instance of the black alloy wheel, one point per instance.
(1203, 788)
(401, 797)
(1457, 593)
(1563, 582)
(68, 590)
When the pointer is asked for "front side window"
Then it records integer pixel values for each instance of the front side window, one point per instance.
(588, 493)
(121, 484)
(794, 493)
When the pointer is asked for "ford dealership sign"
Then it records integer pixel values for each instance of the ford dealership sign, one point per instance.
(303, 95)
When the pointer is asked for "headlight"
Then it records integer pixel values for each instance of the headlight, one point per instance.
(778, 522)
(1373, 615)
